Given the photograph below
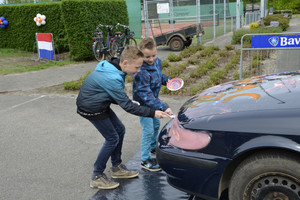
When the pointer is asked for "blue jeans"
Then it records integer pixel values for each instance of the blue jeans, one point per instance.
(150, 133)
(113, 131)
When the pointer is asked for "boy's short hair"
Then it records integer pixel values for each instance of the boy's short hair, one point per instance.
(147, 43)
(131, 53)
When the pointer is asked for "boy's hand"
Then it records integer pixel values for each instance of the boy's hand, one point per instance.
(160, 114)
(169, 112)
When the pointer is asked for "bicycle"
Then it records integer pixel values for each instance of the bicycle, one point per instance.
(122, 39)
(101, 49)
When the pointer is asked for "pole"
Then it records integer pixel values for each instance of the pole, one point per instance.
(225, 19)
(238, 22)
(171, 15)
(214, 17)
(262, 8)
(198, 21)
(146, 18)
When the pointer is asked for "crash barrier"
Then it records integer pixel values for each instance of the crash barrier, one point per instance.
(45, 46)
(269, 53)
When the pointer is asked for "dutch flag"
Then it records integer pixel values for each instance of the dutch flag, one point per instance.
(45, 45)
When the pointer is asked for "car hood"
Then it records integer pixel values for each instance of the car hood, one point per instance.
(261, 103)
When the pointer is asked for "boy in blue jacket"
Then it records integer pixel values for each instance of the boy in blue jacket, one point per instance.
(146, 87)
(102, 87)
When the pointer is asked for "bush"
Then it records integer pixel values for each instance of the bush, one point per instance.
(70, 21)
(164, 63)
(283, 21)
(174, 58)
(206, 52)
(254, 25)
(81, 18)
(20, 33)
(237, 35)
(75, 85)
(176, 70)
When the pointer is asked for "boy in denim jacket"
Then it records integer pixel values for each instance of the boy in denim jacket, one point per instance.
(146, 86)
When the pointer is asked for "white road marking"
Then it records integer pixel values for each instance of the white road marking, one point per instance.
(15, 106)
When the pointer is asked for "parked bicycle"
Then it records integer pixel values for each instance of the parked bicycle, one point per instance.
(103, 49)
(122, 39)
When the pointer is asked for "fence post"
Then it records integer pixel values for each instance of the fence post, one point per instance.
(225, 17)
(171, 15)
(146, 18)
(198, 21)
(214, 17)
(238, 15)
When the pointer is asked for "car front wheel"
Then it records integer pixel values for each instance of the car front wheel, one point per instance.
(267, 176)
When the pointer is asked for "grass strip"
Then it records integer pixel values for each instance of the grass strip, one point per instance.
(35, 67)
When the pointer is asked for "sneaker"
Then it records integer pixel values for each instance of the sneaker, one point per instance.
(150, 165)
(101, 182)
(153, 151)
(122, 172)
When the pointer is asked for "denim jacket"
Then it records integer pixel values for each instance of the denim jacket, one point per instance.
(147, 84)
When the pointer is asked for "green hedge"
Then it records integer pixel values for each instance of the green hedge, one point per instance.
(71, 22)
(82, 16)
(20, 32)
(283, 21)
(293, 5)
(283, 25)
(237, 35)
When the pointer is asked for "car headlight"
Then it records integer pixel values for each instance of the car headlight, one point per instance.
(187, 139)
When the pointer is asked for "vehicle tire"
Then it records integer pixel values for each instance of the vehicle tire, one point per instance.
(176, 44)
(98, 51)
(266, 176)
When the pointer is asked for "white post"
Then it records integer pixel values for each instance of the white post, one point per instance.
(238, 19)
(214, 17)
(225, 19)
(198, 21)
(171, 15)
(262, 8)
(146, 18)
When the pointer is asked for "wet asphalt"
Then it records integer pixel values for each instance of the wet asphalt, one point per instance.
(47, 151)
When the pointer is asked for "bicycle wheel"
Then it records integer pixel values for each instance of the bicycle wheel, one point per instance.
(131, 41)
(116, 49)
(98, 50)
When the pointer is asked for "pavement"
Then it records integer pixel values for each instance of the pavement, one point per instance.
(47, 151)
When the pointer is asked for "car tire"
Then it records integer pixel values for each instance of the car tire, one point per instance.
(176, 44)
(267, 175)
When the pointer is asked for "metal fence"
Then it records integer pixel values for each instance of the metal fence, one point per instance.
(266, 60)
(252, 17)
(218, 17)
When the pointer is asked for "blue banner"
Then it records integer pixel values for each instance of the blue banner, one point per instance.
(275, 41)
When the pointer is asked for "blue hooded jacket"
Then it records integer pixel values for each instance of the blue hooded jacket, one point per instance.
(147, 84)
(104, 86)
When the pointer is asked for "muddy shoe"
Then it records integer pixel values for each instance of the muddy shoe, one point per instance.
(102, 182)
(122, 172)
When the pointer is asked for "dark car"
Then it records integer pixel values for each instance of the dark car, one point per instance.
(238, 141)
